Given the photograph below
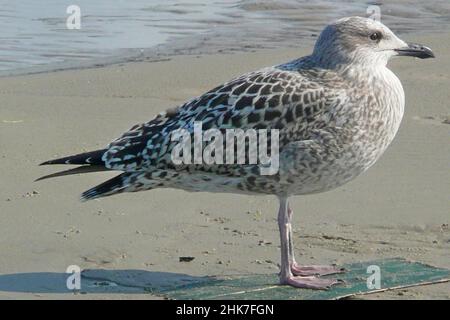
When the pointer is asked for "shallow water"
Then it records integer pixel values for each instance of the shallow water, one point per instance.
(34, 35)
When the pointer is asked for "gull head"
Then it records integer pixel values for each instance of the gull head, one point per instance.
(362, 41)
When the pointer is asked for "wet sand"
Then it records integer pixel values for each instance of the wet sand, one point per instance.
(399, 208)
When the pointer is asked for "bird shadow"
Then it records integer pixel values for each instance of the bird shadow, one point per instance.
(97, 281)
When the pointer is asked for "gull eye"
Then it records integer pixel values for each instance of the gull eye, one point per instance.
(376, 36)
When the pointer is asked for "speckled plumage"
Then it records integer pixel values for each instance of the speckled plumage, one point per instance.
(336, 110)
(334, 123)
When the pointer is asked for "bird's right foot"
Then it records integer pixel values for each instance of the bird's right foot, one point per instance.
(310, 282)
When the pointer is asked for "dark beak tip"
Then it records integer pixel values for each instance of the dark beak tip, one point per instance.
(427, 53)
(426, 56)
(416, 50)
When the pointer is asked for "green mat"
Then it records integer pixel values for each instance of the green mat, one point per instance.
(395, 273)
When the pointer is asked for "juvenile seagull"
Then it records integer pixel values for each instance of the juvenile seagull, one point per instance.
(337, 110)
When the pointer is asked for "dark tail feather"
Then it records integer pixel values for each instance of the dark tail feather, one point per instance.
(107, 188)
(93, 157)
(77, 170)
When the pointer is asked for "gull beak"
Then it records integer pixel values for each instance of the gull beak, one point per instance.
(415, 50)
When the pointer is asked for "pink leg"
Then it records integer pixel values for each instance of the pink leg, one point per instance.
(287, 276)
(313, 270)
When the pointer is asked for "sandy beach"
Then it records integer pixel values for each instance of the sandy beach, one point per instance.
(399, 208)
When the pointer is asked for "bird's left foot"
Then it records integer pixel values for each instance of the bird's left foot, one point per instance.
(315, 270)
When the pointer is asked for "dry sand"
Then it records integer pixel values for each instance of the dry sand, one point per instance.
(399, 208)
